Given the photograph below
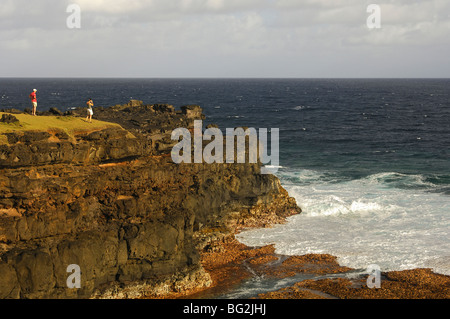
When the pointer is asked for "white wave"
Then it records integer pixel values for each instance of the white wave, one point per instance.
(399, 179)
(306, 176)
(273, 166)
(384, 180)
(363, 222)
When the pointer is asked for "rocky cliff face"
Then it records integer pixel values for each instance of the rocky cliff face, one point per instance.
(114, 203)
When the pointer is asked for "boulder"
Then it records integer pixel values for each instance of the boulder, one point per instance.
(8, 118)
(55, 111)
(192, 111)
(164, 108)
(135, 103)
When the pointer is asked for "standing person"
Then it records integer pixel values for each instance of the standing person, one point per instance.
(33, 101)
(90, 112)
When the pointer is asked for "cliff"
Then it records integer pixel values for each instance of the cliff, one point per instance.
(109, 199)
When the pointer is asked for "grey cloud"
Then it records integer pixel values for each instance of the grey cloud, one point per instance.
(204, 37)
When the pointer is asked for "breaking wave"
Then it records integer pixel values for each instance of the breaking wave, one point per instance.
(397, 221)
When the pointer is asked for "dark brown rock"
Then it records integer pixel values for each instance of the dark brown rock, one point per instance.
(192, 111)
(115, 204)
(33, 148)
(134, 103)
(8, 118)
(11, 111)
(55, 111)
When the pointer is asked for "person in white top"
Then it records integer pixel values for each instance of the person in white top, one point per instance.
(90, 112)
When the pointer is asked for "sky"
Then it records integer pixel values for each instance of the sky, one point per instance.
(224, 38)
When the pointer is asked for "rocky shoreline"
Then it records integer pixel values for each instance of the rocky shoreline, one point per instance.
(231, 264)
(112, 202)
(139, 226)
(329, 279)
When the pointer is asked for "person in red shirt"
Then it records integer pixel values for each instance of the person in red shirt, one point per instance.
(33, 101)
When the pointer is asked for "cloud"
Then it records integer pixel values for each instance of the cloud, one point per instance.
(113, 6)
(40, 14)
(7, 8)
(153, 8)
(218, 36)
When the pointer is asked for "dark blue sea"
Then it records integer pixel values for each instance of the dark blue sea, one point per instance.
(368, 160)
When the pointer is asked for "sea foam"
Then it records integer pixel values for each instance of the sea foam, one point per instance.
(394, 220)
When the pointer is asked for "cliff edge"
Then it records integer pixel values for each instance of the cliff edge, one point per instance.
(109, 199)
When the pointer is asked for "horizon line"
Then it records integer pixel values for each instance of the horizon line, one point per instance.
(214, 77)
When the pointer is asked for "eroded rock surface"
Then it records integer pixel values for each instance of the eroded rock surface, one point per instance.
(113, 202)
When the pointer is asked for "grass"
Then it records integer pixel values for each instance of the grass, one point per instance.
(69, 124)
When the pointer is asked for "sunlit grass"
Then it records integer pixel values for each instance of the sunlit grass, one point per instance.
(69, 124)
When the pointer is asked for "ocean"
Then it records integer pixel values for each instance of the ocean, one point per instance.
(368, 160)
